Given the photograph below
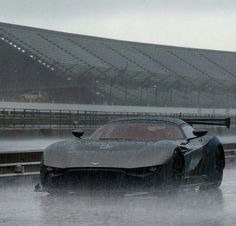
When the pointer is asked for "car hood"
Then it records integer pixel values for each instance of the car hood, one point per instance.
(107, 154)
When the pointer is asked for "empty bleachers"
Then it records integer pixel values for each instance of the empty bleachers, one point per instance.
(129, 72)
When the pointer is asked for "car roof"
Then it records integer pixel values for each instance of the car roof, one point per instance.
(166, 119)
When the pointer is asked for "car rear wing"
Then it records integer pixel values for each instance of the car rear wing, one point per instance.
(208, 121)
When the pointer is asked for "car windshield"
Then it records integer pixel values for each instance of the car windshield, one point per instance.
(146, 131)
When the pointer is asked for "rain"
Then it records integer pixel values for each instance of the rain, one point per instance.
(97, 98)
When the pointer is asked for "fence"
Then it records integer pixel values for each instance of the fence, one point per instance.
(28, 163)
(34, 118)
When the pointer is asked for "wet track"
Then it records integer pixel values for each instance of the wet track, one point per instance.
(20, 205)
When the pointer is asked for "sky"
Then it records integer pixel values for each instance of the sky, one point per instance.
(207, 24)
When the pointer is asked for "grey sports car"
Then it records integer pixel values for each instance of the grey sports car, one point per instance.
(151, 152)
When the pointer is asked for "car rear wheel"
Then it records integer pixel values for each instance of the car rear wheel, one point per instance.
(215, 168)
(219, 164)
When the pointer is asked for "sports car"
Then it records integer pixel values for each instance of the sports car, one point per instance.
(148, 152)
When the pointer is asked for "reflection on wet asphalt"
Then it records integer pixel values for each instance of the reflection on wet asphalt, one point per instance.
(20, 205)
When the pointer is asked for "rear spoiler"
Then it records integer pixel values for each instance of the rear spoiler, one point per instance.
(208, 121)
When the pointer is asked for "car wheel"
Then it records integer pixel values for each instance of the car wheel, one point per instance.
(45, 178)
(173, 172)
(43, 175)
(219, 164)
(215, 170)
(178, 167)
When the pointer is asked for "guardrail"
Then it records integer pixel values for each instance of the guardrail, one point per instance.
(20, 163)
(28, 163)
(19, 169)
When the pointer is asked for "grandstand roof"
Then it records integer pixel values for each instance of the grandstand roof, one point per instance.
(127, 64)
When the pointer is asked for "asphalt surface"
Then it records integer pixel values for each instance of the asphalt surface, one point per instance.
(20, 205)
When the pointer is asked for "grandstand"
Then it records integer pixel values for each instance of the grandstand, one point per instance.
(49, 66)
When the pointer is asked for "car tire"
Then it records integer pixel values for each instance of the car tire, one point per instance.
(215, 172)
(45, 178)
(219, 164)
(178, 167)
(43, 175)
(173, 172)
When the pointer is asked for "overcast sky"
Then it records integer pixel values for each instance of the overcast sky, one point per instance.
(209, 24)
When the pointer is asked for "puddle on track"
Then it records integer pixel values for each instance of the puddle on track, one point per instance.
(20, 205)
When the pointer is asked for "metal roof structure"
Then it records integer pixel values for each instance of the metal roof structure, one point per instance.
(116, 72)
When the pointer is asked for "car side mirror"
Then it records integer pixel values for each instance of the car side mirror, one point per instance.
(78, 133)
(199, 132)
